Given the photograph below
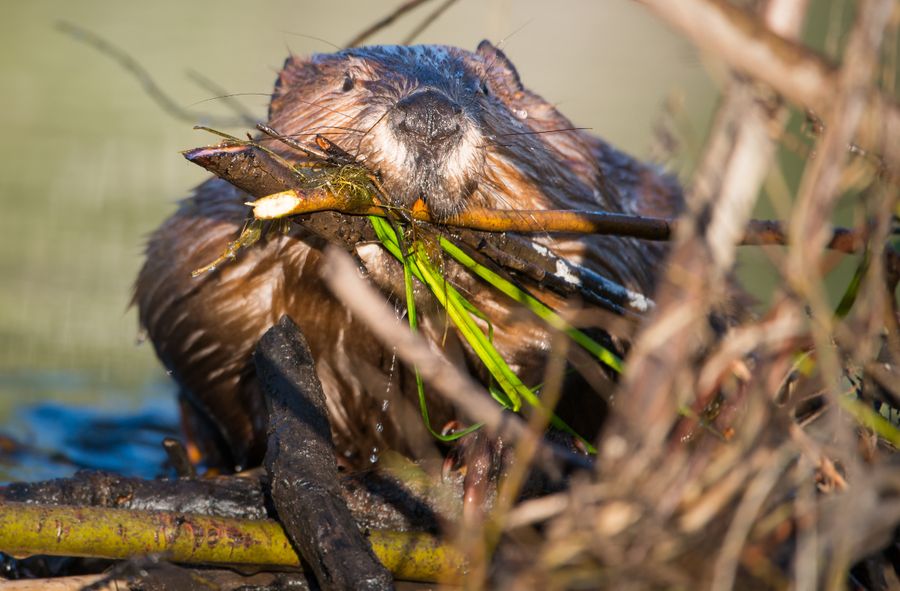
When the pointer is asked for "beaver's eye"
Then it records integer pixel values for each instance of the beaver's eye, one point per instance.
(348, 83)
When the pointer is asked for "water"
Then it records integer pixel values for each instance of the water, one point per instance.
(52, 439)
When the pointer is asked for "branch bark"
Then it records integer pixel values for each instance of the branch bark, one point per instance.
(197, 539)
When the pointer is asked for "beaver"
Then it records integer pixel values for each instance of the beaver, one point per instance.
(450, 127)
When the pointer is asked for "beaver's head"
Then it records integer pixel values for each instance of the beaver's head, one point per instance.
(449, 126)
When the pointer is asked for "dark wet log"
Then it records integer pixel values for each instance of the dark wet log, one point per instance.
(300, 460)
(400, 497)
(220, 497)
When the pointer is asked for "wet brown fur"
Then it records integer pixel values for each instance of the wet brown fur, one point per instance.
(204, 328)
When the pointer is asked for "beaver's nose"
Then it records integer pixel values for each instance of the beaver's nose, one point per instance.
(429, 116)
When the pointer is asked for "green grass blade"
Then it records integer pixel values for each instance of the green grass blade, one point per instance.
(505, 286)
(511, 389)
(849, 297)
(867, 417)
(391, 238)
(508, 381)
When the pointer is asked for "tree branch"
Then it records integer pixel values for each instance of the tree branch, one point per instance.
(801, 75)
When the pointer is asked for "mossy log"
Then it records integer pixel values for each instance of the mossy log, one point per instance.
(197, 539)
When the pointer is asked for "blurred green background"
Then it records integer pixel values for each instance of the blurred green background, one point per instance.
(89, 164)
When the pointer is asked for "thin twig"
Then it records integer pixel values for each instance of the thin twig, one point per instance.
(801, 75)
(245, 116)
(385, 22)
(153, 90)
(820, 187)
(428, 21)
(67, 583)
(758, 232)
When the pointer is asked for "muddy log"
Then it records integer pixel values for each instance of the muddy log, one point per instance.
(399, 496)
(300, 461)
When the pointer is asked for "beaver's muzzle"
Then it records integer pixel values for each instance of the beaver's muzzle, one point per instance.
(428, 118)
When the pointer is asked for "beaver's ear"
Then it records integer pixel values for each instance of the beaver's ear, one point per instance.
(500, 71)
(296, 72)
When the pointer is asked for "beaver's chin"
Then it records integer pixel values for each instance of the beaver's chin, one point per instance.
(444, 176)
(443, 196)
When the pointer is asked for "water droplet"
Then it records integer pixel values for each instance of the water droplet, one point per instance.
(390, 376)
(385, 404)
(521, 113)
(169, 372)
(379, 427)
(373, 458)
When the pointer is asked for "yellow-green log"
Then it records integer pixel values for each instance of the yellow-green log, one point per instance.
(198, 539)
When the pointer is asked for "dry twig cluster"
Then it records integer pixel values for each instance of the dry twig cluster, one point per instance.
(791, 480)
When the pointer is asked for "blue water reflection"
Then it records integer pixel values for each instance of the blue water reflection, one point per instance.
(54, 439)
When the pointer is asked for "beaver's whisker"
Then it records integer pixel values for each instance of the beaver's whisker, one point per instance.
(368, 131)
(324, 108)
(488, 146)
(541, 132)
(315, 130)
(230, 95)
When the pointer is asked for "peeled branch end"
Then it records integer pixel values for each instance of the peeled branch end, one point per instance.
(276, 205)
